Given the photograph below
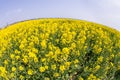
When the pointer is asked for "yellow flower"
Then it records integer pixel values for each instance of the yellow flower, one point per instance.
(50, 54)
(43, 59)
(13, 69)
(30, 72)
(81, 78)
(17, 57)
(100, 59)
(12, 75)
(50, 46)
(17, 52)
(25, 59)
(97, 49)
(119, 54)
(0, 55)
(57, 51)
(21, 46)
(91, 77)
(13, 62)
(21, 68)
(36, 39)
(3, 71)
(42, 69)
(69, 37)
(62, 68)
(53, 67)
(76, 61)
(21, 77)
(64, 41)
(65, 50)
(34, 50)
(111, 64)
(97, 67)
(43, 44)
(73, 45)
(46, 78)
(64, 36)
(118, 67)
(31, 44)
(56, 74)
(35, 59)
(12, 56)
(78, 53)
(76, 65)
(46, 67)
(67, 64)
(6, 62)
(112, 55)
(31, 54)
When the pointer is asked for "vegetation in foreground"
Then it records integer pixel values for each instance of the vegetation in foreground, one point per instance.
(59, 49)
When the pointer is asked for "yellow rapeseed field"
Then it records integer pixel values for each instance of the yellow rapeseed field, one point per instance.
(59, 49)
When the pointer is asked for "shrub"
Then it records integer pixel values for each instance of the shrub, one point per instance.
(59, 49)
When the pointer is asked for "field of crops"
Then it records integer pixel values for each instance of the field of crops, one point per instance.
(59, 49)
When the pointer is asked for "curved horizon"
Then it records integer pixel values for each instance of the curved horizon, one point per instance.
(104, 12)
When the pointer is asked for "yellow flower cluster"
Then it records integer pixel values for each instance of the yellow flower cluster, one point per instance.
(59, 49)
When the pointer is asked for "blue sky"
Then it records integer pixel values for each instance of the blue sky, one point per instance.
(105, 12)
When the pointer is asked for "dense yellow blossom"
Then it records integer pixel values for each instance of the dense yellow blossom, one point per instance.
(81, 78)
(25, 60)
(65, 50)
(12, 75)
(42, 69)
(21, 68)
(46, 78)
(21, 77)
(56, 75)
(12, 56)
(53, 67)
(13, 69)
(43, 44)
(62, 68)
(100, 59)
(92, 77)
(46, 67)
(6, 62)
(30, 71)
(31, 54)
(3, 72)
(59, 49)
(35, 59)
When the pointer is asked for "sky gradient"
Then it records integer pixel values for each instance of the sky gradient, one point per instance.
(106, 12)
